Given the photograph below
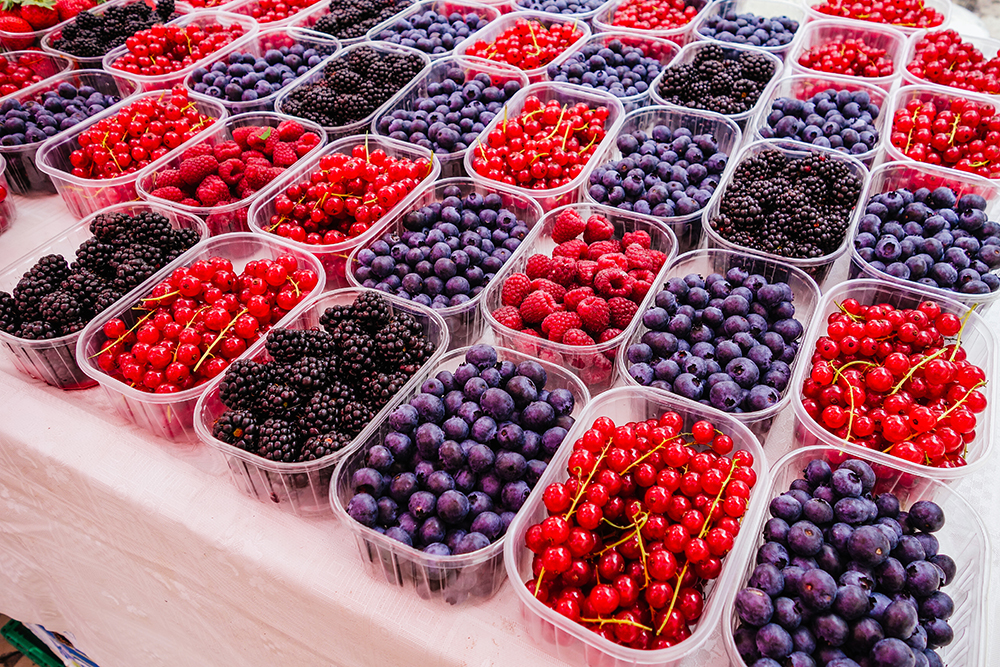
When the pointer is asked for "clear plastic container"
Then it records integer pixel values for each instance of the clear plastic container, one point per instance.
(23, 174)
(41, 64)
(308, 19)
(657, 48)
(317, 74)
(54, 361)
(766, 8)
(687, 228)
(303, 489)
(731, 51)
(594, 364)
(246, 7)
(942, 6)
(818, 33)
(577, 645)
(185, 7)
(964, 537)
(465, 324)
(202, 18)
(806, 298)
(978, 340)
(604, 21)
(16, 41)
(895, 175)
(222, 219)
(490, 33)
(988, 47)
(270, 38)
(818, 268)
(803, 87)
(586, 17)
(565, 94)
(172, 416)
(446, 7)
(333, 257)
(462, 579)
(7, 209)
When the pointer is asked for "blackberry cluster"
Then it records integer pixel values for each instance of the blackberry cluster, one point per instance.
(352, 87)
(716, 82)
(91, 35)
(348, 19)
(56, 299)
(321, 387)
(789, 207)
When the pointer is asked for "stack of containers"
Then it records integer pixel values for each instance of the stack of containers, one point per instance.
(943, 7)
(443, 7)
(765, 8)
(818, 33)
(604, 21)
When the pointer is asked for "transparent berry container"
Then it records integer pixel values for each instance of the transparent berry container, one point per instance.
(7, 208)
(83, 196)
(310, 17)
(978, 340)
(818, 33)
(172, 416)
(269, 38)
(895, 175)
(446, 7)
(804, 87)
(246, 7)
(964, 537)
(988, 47)
(316, 75)
(333, 257)
(575, 644)
(16, 41)
(45, 65)
(731, 51)
(766, 8)
(203, 19)
(586, 17)
(54, 361)
(686, 228)
(942, 6)
(806, 296)
(657, 48)
(23, 173)
(222, 219)
(593, 364)
(604, 22)
(491, 32)
(186, 7)
(565, 94)
(464, 322)
(819, 267)
(463, 579)
(303, 489)
(452, 164)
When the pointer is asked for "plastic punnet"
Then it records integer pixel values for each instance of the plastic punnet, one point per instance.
(942, 6)
(171, 416)
(453, 579)
(333, 257)
(43, 64)
(988, 47)
(766, 8)
(978, 340)
(16, 41)
(604, 21)
(594, 364)
(818, 33)
(54, 361)
(806, 298)
(83, 196)
(304, 488)
(575, 644)
(446, 7)
(687, 228)
(818, 267)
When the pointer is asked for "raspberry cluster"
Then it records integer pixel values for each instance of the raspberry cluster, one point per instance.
(163, 49)
(944, 58)
(528, 44)
(850, 56)
(954, 132)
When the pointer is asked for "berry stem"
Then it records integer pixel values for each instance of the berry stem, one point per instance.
(958, 338)
(616, 621)
(215, 342)
(124, 335)
(909, 374)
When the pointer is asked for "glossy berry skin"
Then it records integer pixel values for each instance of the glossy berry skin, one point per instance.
(527, 44)
(269, 11)
(245, 77)
(51, 112)
(900, 13)
(837, 119)
(432, 32)
(655, 14)
(163, 49)
(944, 58)
(748, 28)
(848, 56)
(622, 69)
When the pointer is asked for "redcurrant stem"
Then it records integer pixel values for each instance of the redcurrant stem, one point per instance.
(627, 537)
(538, 581)
(157, 298)
(913, 370)
(960, 402)
(562, 112)
(531, 32)
(188, 326)
(642, 547)
(954, 128)
(617, 621)
(851, 316)
(838, 373)
(592, 140)
(583, 485)
(215, 342)
(482, 149)
(124, 335)
(298, 292)
(958, 338)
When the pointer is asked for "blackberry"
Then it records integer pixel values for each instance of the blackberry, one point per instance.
(61, 309)
(10, 320)
(380, 387)
(356, 354)
(152, 229)
(94, 256)
(334, 315)
(293, 344)
(309, 373)
(319, 446)
(321, 413)
(37, 330)
(278, 440)
(348, 19)
(90, 35)
(109, 226)
(278, 399)
(372, 311)
(243, 383)
(354, 416)
(42, 279)
(717, 82)
(237, 428)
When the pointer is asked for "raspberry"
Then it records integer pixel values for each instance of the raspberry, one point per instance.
(613, 282)
(263, 139)
(169, 177)
(231, 171)
(568, 226)
(258, 175)
(289, 130)
(306, 143)
(642, 274)
(577, 337)
(170, 193)
(603, 248)
(574, 249)
(538, 266)
(284, 155)
(515, 288)
(613, 260)
(658, 257)
(595, 314)
(598, 228)
(622, 312)
(509, 317)
(562, 271)
(194, 170)
(227, 150)
(196, 151)
(557, 324)
(241, 135)
(638, 257)
(536, 306)
(586, 269)
(555, 289)
(247, 154)
(212, 190)
(639, 290)
(639, 236)
(608, 334)
(243, 189)
(574, 297)
(190, 201)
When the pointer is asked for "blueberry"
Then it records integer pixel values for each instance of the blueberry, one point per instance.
(754, 607)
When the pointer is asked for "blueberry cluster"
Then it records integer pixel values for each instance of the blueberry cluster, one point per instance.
(717, 82)
(932, 238)
(748, 28)
(616, 68)
(244, 77)
(432, 32)
(663, 173)
(845, 578)
(54, 111)
(352, 19)
(451, 114)
(837, 119)
(448, 251)
(725, 340)
(461, 457)
(568, 7)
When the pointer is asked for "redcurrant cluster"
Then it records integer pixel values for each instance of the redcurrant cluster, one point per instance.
(20, 72)
(268, 11)
(887, 379)
(527, 44)
(138, 134)
(163, 49)
(643, 522)
(345, 196)
(850, 56)
(944, 58)
(901, 13)
(961, 134)
(654, 14)
(198, 320)
(543, 147)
